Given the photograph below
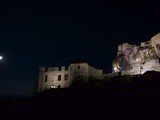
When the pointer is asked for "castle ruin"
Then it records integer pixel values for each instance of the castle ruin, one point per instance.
(54, 77)
(133, 59)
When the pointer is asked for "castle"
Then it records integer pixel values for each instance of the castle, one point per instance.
(54, 77)
(131, 60)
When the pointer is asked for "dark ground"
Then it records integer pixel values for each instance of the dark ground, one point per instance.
(116, 99)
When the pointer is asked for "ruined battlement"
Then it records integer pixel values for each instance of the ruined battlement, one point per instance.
(134, 59)
(55, 69)
(130, 60)
(62, 77)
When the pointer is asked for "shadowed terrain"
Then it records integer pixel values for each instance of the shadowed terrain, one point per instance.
(129, 97)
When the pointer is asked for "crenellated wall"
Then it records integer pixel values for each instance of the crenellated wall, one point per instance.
(49, 77)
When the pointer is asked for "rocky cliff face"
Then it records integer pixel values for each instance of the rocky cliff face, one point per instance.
(132, 59)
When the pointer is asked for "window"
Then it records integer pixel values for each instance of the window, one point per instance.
(66, 77)
(59, 69)
(66, 68)
(78, 67)
(59, 77)
(46, 77)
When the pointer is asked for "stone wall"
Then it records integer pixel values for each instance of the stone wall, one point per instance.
(79, 71)
(95, 73)
(132, 59)
(155, 42)
(49, 78)
(123, 47)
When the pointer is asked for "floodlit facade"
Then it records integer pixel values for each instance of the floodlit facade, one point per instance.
(56, 77)
(133, 59)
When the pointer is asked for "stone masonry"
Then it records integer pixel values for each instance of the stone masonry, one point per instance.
(55, 77)
(133, 59)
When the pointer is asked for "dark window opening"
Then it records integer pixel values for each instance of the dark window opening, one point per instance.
(159, 60)
(78, 67)
(66, 77)
(66, 68)
(59, 77)
(46, 77)
(59, 68)
(59, 86)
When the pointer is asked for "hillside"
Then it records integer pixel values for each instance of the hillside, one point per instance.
(120, 97)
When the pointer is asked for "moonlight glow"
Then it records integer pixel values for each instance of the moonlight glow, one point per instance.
(1, 57)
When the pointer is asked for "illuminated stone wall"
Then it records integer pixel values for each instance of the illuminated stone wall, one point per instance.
(132, 59)
(94, 73)
(48, 78)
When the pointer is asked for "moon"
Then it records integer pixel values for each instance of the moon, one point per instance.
(1, 57)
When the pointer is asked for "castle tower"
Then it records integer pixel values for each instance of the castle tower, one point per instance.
(132, 59)
(79, 70)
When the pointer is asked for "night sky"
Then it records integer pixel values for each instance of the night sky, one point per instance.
(54, 33)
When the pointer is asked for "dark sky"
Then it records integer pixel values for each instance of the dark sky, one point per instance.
(54, 32)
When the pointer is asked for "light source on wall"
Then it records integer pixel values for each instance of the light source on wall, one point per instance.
(53, 86)
(116, 67)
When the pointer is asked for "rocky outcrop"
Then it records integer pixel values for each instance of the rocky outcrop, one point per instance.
(132, 59)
